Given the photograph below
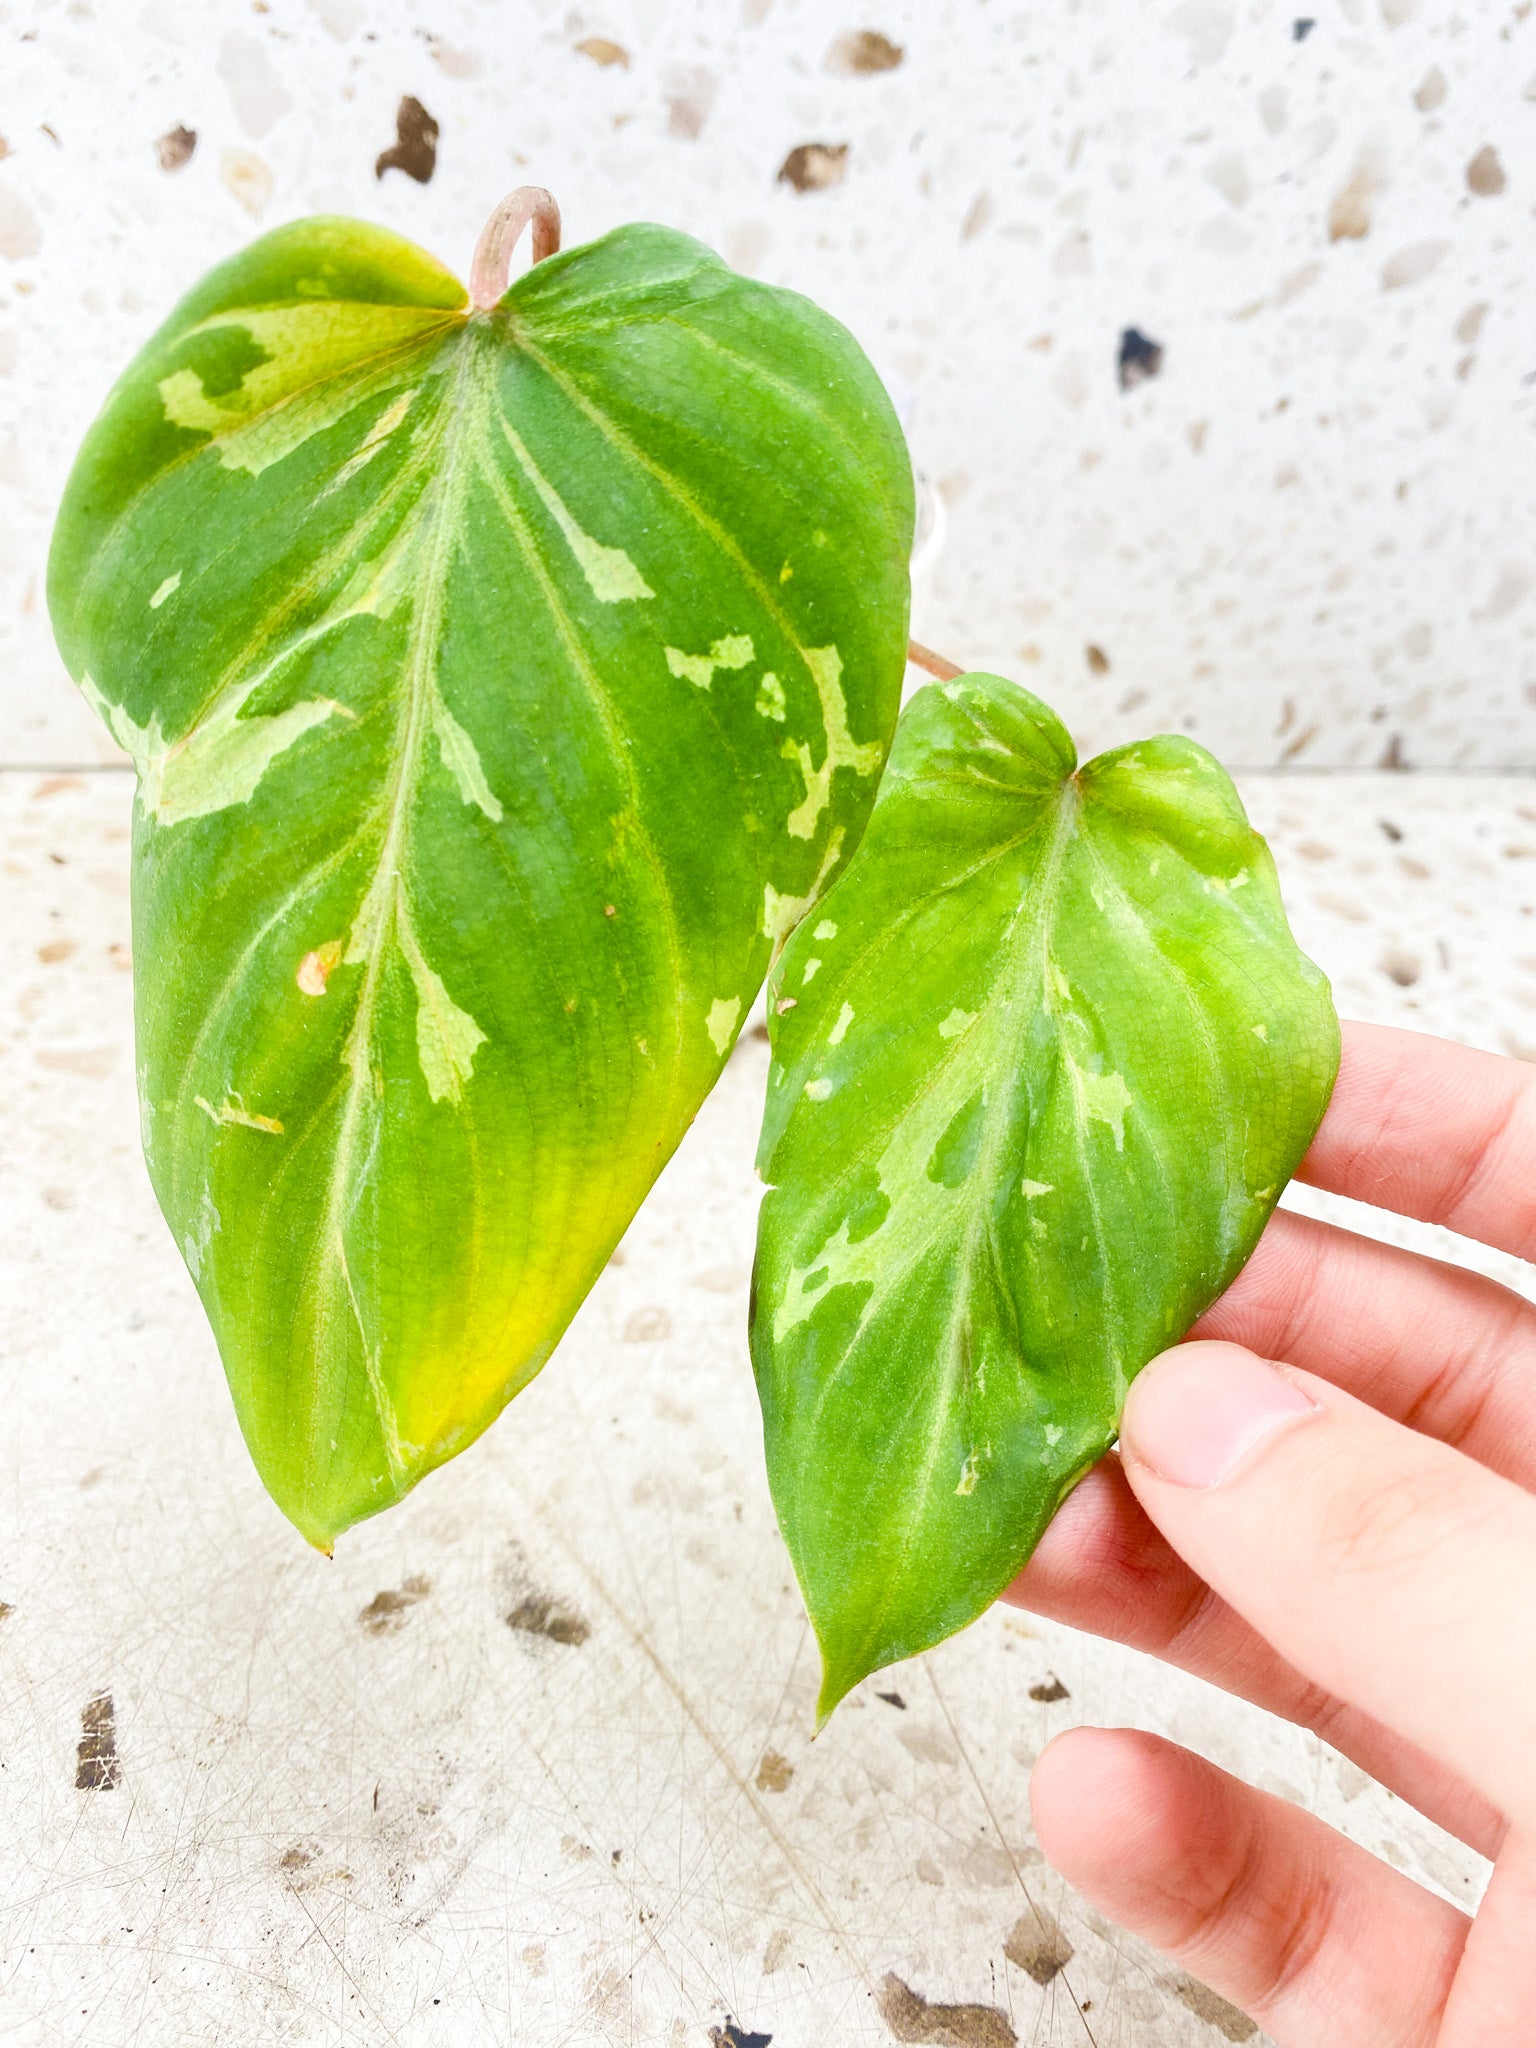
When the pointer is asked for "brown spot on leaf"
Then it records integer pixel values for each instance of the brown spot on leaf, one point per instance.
(539, 1615)
(910, 2017)
(862, 52)
(813, 166)
(1216, 2012)
(1037, 1945)
(96, 1762)
(774, 1772)
(603, 52)
(386, 1611)
(174, 148)
(414, 149)
(1049, 1691)
(316, 968)
(1485, 174)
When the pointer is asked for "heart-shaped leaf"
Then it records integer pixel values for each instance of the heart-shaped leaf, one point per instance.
(1043, 1060)
(502, 684)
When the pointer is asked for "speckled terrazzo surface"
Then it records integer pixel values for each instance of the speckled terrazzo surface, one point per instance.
(530, 1762)
(1305, 539)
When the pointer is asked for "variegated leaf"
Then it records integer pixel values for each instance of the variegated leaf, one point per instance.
(1043, 1060)
(502, 684)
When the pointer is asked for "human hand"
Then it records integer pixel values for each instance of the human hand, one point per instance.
(1349, 1540)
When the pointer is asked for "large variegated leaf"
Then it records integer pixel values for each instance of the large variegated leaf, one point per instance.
(1043, 1060)
(501, 685)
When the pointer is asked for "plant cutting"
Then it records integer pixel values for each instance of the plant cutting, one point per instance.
(505, 673)
(1044, 1057)
(509, 676)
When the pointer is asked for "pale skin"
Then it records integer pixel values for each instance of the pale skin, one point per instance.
(1348, 1537)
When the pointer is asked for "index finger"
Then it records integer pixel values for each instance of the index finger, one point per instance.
(1433, 1130)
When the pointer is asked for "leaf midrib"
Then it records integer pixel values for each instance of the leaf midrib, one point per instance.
(441, 503)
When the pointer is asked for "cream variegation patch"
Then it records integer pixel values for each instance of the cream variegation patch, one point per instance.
(461, 758)
(842, 750)
(731, 652)
(611, 575)
(721, 1021)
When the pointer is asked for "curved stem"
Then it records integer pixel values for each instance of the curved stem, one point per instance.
(936, 665)
(498, 238)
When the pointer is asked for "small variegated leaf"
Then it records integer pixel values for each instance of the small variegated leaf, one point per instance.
(1044, 1058)
(502, 685)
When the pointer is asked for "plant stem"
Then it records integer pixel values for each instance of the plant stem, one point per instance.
(498, 238)
(936, 665)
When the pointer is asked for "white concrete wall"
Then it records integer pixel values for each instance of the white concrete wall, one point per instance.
(1307, 540)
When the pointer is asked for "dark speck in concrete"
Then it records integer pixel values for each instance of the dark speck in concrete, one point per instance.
(1140, 358)
(414, 149)
(892, 1699)
(864, 50)
(1302, 27)
(813, 166)
(1049, 1691)
(174, 148)
(734, 2035)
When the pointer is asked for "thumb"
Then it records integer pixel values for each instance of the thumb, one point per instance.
(1384, 1565)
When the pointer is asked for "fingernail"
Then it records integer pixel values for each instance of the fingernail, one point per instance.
(1197, 1414)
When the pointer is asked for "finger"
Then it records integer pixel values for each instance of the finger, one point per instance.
(1104, 1567)
(1432, 1130)
(1302, 1930)
(1446, 1351)
(1494, 1995)
(1387, 1568)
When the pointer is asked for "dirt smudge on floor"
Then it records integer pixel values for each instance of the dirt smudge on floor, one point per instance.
(97, 1767)
(911, 2017)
